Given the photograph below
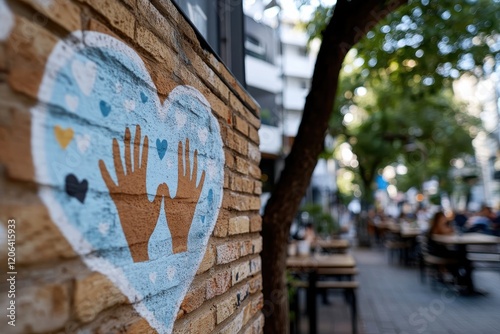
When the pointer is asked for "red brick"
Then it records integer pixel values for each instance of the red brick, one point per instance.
(194, 298)
(208, 260)
(228, 252)
(239, 225)
(116, 14)
(240, 272)
(255, 265)
(63, 12)
(218, 284)
(256, 223)
(255, 284)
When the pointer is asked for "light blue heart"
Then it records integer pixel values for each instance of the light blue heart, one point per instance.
(93, 228)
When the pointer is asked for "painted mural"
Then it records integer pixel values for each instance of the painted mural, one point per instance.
(134, 183)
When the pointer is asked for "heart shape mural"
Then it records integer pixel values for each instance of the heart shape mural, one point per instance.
(134, 184)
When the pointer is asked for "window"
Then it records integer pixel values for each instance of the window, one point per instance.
(254, 47)
(220, 24)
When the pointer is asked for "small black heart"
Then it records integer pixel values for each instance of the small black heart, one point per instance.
(75, 188)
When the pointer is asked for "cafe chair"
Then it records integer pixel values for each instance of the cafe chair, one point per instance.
(396, 248)
(429, 261)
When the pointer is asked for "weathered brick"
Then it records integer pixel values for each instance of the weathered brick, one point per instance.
(241, 125)
(246, 248)
(62, 12)
(40, 302)
(158, 23)
(242, 294)
(28, 48)
(255, 265)
(256, 223)
(241, 184)
(218, 284)
(116, 14)
(242, 165)
(219, 107)
(222, 224)
(247, 313)
(257, 188)
(238, 225)
(208, 260)
(225, 308)
(253, 134)
(226, 180)
(140, 326)
(229, 159)
(240, 202)
(205, 323)
(255, 284)
(238, 143)
(240, 272)
(234, 326)
(240, 108)
(254, 153)
(93, 294)
(248, 330)
(194, 298)
(258, 324)
(254, 171)
(152, 44)
(228, 252)
(257, 245)
(95, 25)
(35, 231)
(257, 304)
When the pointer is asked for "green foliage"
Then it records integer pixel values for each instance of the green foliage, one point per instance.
(323, 222)
(406, 111)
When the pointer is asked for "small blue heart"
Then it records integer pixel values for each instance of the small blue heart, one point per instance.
(161, 147)
(105, 108)
(144, 98)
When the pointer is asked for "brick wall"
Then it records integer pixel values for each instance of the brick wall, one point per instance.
(93, 254)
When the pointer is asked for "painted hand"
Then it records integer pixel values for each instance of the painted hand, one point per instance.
(180, 210)
(138, 216)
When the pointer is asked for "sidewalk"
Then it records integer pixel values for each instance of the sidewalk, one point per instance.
(392, 300)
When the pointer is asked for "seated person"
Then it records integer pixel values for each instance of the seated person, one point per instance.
(440, 225)
(460, 220)
(482, 222)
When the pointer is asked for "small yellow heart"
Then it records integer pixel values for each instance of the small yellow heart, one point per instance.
(63, 136)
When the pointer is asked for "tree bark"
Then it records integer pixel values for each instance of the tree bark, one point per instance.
(350, 22)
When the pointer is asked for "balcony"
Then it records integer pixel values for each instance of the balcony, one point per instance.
(263, 75)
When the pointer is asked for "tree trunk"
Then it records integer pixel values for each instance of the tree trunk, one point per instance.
(350, 22)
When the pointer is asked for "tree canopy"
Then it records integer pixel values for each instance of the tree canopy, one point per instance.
(395, 101)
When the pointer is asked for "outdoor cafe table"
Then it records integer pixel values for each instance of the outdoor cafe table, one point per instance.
(311, 264)
(334, 245)
(461, 241)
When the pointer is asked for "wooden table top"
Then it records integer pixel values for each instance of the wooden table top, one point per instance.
(334, 243)
(467, 239)
(321, 261)
(407, 232)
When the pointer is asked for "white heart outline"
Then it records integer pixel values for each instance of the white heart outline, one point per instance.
(60, 55)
